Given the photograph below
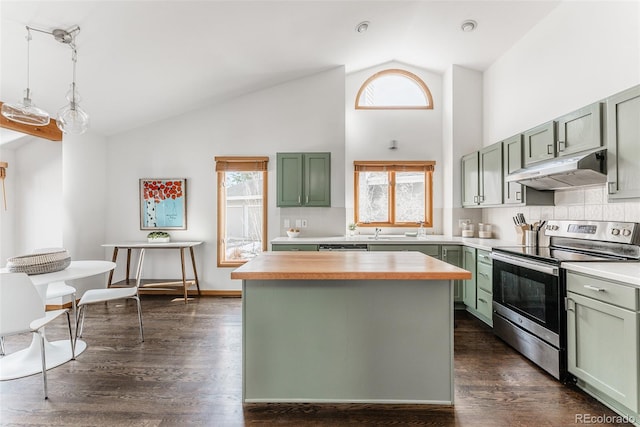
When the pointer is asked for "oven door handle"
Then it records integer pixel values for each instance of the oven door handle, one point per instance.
(532, 265)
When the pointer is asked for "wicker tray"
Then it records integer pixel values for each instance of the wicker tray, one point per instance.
(39, 263)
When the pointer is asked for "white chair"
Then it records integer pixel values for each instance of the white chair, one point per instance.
(22, 311)
(94, 296)
(61, 289)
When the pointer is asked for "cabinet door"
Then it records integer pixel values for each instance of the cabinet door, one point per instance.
(491, 177)
(623, 140)
(512, 154)
(317, 179)
(469, 264)
(580, 130)
(540, 143)
(602, 347)
(289, 179)
(453, 255)
(470, 180)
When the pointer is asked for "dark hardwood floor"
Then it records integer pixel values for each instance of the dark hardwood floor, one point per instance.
(189, 372)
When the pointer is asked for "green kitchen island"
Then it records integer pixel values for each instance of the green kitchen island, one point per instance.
(359, 327)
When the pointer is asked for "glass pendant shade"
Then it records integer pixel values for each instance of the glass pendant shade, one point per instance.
(25, 112)
(71, 118)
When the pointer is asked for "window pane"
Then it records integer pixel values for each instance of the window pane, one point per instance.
(393, 90)
(243, 214)
(373, 197)
(410, 196)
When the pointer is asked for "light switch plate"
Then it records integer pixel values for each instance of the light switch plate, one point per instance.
(298, 223)
(304, 223)
(287, 223)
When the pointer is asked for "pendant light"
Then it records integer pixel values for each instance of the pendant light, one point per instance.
(71, 118)
(26, 112)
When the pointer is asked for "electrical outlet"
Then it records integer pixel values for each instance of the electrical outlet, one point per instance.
(463, 222)
(287, 223)
(298, 223)
(304, 223)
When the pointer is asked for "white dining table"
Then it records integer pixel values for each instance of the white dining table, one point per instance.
(28, 362)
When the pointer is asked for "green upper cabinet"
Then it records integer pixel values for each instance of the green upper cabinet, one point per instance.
(514, 193)
(512, 150)
(580, 130)
(482, 177)
(540, 143)
(623, 144)
(491, 176)
(304, 179)
(470, 180)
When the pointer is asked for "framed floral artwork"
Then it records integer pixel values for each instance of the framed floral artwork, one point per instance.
(163, 204)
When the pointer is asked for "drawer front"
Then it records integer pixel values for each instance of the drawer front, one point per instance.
(483, 277)
(603, 290)
(484, 258)
(294, 247)
(485, 303)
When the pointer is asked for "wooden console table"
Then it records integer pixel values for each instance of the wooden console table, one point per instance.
(155, 284)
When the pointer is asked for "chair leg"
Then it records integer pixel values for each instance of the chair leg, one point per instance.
(71, 339)
(1, 346)
(137, 298)
(79, 325)
(74, 305)
(44, 365)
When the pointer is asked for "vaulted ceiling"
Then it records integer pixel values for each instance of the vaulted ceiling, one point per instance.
(142, 61)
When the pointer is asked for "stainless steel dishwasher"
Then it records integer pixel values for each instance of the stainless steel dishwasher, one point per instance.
(342, 247)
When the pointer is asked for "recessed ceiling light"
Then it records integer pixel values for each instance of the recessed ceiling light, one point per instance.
(468, 25)
(362, 27)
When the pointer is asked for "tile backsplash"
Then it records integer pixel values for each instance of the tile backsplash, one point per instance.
(588, 203)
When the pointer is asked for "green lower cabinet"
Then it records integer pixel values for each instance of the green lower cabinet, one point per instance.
(603, 340)
(485, 303)
(294, 247)
(452, 254)
(469, 286)
(477, 292)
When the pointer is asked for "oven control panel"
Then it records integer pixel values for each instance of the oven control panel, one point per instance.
(606, 231)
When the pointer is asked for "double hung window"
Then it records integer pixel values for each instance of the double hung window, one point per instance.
(242, 208)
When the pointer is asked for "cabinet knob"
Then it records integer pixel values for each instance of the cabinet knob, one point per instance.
(518, 195)
(549, 148)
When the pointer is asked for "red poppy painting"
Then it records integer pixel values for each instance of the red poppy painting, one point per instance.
(163, 204)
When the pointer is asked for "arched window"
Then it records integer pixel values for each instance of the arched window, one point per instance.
(394, 89)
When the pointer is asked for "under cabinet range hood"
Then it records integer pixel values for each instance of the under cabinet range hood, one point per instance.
(582, 169)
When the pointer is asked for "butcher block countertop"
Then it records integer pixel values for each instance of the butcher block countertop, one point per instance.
(348, 266)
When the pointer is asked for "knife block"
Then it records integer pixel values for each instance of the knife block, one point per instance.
(520, 233)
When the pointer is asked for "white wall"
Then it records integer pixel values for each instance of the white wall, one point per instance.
(418, 134)
(34, 205)
(463, 125)
(580, 53)
(85, 174)
(301, 115)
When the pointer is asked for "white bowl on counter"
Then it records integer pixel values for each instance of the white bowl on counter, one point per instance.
(293, 233)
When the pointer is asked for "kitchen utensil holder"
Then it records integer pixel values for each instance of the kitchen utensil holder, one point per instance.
(530, 238)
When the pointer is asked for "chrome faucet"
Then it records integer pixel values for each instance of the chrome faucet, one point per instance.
(378, 230)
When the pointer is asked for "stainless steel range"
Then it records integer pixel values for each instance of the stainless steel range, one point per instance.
(529, 284)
